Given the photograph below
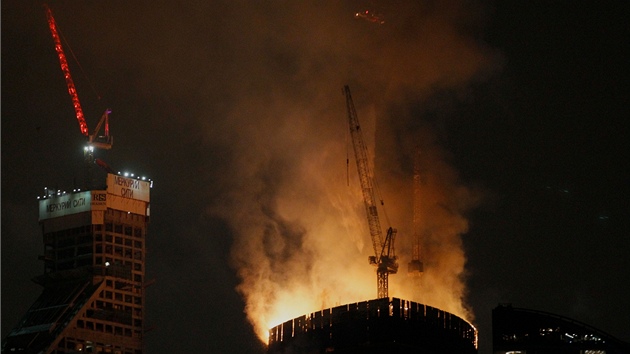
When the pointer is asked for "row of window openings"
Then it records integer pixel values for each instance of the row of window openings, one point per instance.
(114, 295)
(117, 215)
(119, 268)
(118, 240)
(86, 262)
(77, 345)
(69, 263)
(118, 263)
(135, 311)
(122, 285)
(74, 231)
(100, 327)
(65, 234)
(127, 230)
(118, 251)
(122, 252)
(87, 239)
(137, 266)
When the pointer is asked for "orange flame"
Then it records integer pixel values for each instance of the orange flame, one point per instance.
(307, 248)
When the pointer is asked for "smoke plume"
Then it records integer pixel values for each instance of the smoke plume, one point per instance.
(302, 242)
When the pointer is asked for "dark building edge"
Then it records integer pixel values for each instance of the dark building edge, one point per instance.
(389, 325)
(531, 331)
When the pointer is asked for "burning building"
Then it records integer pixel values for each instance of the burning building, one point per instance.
(387, 325)
(94, 272)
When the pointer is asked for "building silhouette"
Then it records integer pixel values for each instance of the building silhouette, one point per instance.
(387, 325)
(94, 272)
(523, 331)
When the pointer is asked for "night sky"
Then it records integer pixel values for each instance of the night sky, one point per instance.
(235, 110)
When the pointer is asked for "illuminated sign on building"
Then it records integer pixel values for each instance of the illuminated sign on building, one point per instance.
(128, 187)
(72, 203)
(124, 194)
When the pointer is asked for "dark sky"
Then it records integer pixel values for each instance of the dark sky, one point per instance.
(235, 110)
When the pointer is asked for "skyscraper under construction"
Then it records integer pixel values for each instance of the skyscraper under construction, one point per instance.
(386, 325)
(94, 272)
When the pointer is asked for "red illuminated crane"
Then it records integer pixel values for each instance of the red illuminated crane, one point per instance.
(384, 253)
(94, 140)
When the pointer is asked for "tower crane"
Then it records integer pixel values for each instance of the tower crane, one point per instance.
(384, 253)
(415, 267)
(94, 140)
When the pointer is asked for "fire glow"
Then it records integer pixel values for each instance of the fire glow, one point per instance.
(301, 239)
(304, 249)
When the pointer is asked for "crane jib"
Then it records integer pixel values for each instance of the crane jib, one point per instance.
(365, 175)
(384, 253)
(66, 73)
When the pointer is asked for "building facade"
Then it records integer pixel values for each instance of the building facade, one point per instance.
(524, 331)
(94, 272)
(387, 325)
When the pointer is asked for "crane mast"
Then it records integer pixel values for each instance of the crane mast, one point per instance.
(415, 267)
(384, 253)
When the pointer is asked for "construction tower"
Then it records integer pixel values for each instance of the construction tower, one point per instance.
(415, 267)
(94, 272)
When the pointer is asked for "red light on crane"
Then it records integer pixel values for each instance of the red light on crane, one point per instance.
(66, 72)
(93, 140)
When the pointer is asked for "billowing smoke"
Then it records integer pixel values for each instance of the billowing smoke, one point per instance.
(440, 207)
(302, 241)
